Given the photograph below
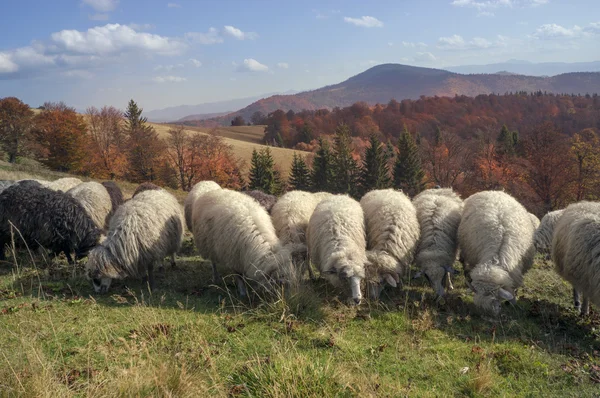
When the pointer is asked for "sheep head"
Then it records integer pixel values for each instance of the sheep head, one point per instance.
(381, 269)
(347, 267)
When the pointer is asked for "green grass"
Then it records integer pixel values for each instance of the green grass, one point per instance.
(189, 338)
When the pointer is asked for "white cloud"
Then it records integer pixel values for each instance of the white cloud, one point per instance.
(252, 65)
(98, 17)
(114, 39)
(102, 5)
(593, 28)
(169, 79)
(451, 42)
(167, 67)
(173, 5)
(283, 65)
(6, 64)
(211, 37)
(195, 62)
(238, 34)
(413, 45)
(365, 21)
(457, 42)
(425, 57)
(552, 30)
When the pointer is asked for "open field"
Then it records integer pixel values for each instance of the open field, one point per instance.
(243, 140)
(190, 338)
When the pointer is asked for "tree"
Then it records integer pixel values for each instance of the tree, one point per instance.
(16, 121)
(215, 161)
(61, 136)
(299, 174)
(182, 156)
(585, 147)
(345, 169)
(263, 175)
(144, 148)
(408, 173)
(507, 141)
(238, 121)
(375, 170)
(445, 158)
(258, 118)
(107, 142)
(322, 175)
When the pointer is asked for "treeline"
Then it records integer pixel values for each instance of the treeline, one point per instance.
(462, 116)
(108, 144)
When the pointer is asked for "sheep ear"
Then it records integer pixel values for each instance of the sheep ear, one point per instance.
(390, 280)
(506, 295)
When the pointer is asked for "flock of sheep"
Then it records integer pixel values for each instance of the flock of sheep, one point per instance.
(270, 242)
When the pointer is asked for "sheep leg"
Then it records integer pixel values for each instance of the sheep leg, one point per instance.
(69, 258)
(173, 264)
(151, 276)
(585, 306)
(216, 276)
(577, 300)
(448, 281)
(241, 285)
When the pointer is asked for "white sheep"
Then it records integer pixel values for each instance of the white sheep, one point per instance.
(439, 213)
(337, 242)
(96, 201)
(197, 190)
(495, 237)
(534, 220)
(392, 235)
(575, 248)
(236, 234)
(142, 232)
(62, 184)
(542, 239)
(290, 216)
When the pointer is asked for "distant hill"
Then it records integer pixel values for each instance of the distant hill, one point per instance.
(202, 116)
(202, 111)
(519, 67)
(381, 83)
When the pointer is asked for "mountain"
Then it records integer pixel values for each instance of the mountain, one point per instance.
(382, 83)
(529, 68)
(203, 111)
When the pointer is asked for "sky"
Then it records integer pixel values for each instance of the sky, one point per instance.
(165, 53)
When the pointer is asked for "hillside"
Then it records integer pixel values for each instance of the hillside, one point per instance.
(394, 81)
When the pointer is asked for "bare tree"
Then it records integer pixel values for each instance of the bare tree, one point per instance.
(107, 136)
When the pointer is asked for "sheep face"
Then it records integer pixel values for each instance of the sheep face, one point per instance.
(101, 285)
(345, 270)
(377, 284)
(490, 301)
(381, 269)
(100, 269)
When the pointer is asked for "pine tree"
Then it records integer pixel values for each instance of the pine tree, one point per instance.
(299, 174)
(375, 173)
(144, 148)
(345, 169)
(263, 175)
(133, 114)
(322, 170)
(507, 141)
(408, 173)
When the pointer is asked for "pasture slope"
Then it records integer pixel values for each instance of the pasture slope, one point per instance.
(243, 140)
(190, 338)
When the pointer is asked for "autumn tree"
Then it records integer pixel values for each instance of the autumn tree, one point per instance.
(263, 175)
(61, 136)
(238, 121)
(258, 118)
(299, 174)
(181, 156)
(549, 166)
(585, 148)
(344, 166)
(375, 173)
(445, 158)
(144, 148)
(215, 161)
(322, 174)
(107, 142)
(408, 173)
(16, 121)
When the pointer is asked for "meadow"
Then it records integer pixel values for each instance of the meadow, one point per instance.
(189, 338)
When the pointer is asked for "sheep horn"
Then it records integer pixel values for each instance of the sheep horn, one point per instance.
(390, 280)
(506, 295)
(355, 286)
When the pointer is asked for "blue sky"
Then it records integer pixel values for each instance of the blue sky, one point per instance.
(171, 52)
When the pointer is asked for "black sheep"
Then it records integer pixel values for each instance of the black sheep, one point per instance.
(267, 201)
(116, 196)
(145, 186)
(47, 218)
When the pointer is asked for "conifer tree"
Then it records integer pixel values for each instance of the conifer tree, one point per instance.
(144, 148)
(375, 173)
(408, 173)
(507, 141)
(345, 169)
(322, 170)
(299, 174)
(263, 175)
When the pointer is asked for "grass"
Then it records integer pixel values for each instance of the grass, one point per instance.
(243, 140)
(189, 338)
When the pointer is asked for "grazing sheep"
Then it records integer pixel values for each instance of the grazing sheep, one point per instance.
(575, 247)
(142, 232)
(337, 242)
(47, 218)
(198, 190)
(495, 237)
(62, 184)
(534, 220)
(290, 216)
(146, 186)
(116, 195)
(95, 200)
(542, 239)
(392, 236)
(439, 212)
(267, 201)
(235, 233)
